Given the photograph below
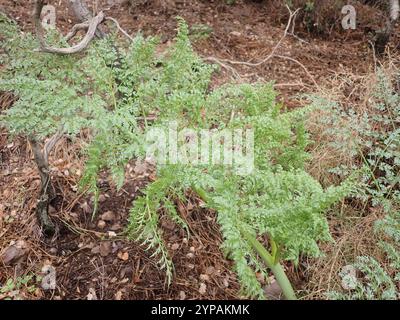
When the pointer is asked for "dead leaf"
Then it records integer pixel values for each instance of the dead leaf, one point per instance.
(105, 248)
(108, 216)
(273, 291)
(91, 295)
(95, 250)
(204, 277)
(123, 255)
(12, 255)
(210, 270)
(118, 295)
(115, 227)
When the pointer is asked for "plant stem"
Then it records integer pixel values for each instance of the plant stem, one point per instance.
(272, 261)
(275, 266)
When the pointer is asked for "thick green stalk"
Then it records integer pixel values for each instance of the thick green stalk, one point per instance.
(275, 266)
(272, 261)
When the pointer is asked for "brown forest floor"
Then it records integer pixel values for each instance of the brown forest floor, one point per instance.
(88, 257)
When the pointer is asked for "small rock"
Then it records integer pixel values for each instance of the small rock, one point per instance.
(175, 246)
(91, 295)
(235, 33)
(123, 255)
(349, 277)
(86, 208)
(118, 295)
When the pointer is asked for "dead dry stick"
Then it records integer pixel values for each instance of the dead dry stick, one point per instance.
(285, 33)
(224, 62)
(301, 65)
(119, 28)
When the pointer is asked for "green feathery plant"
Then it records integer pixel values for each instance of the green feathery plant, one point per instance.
(123, 95)
(52, 100)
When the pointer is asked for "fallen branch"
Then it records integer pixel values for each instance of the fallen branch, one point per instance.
(119, 28)
(93, 24)
(285, 33)
(75, 29)
(224, 62)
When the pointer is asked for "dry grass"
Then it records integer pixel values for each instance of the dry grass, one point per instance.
(353, 236)
(352, 222)
(350, 91)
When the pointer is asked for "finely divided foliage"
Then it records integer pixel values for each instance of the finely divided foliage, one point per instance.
(122, 94)
(372, 136)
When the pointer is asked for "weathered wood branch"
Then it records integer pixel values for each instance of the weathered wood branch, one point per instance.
(93, 24)
(41, 158)
(75, 29)
(82, 14)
